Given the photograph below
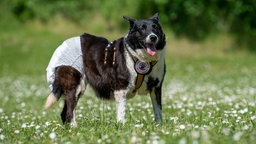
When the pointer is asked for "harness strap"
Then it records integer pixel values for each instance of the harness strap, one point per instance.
(140, 77)
(139, 80)
(107, 48)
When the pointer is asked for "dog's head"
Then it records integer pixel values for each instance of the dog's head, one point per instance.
(145, 40)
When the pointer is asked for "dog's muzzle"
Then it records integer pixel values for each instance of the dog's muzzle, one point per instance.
(151, 41)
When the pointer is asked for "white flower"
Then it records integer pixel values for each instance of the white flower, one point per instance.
(234, 111)
(182, 127)
(16, 131)
(243, 111)
(195, 134)
(182, 141)
(246, 127)
(24, 125)
(157, 141)
(225, 122)
(226, 131)
(52, 135)
(2, 137)
(23, 104)
(1, 110)
(44, 113)
(253, 117)
(99, 140)
(174, 119)
(133, 139)
(237, 136)
(138, 125)
(37, 127)
(47, 123)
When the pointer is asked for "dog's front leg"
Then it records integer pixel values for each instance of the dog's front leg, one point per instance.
(156, 98)
(120, 98)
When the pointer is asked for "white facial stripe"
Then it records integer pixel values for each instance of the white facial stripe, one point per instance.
(148, 40)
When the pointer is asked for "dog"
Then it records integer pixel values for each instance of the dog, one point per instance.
(118, 70)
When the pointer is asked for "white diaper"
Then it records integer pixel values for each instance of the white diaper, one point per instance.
(69, 53)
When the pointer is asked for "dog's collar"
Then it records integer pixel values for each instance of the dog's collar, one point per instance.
(141, 68)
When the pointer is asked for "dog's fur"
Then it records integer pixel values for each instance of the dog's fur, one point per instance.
(109, 69)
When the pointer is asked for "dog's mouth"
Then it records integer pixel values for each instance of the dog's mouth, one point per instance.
(151, 49)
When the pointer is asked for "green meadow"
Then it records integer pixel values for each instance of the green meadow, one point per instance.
(209, 93)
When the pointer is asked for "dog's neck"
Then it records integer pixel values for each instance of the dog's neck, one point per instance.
(137, 62)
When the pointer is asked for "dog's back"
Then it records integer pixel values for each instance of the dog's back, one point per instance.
(104, 65)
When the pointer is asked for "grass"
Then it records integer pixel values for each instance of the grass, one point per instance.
(209, 95)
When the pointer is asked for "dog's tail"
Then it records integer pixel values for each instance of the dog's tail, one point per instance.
(51, 99)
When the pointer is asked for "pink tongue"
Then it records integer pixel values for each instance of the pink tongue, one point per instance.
(151, 50)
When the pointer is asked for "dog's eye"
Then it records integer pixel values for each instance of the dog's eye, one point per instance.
(144, 27)
(154, 26)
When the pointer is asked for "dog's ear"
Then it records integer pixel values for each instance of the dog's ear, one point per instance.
(155, 17)
(130, 20)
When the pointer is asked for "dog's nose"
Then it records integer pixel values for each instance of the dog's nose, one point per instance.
(153, 38)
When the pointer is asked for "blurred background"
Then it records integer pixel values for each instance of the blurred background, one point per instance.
(199, 30)
(209, 88)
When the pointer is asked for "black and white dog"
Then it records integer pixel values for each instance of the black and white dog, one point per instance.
(115, 70)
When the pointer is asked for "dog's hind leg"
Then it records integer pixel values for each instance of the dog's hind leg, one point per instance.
(156, 98)
(71, 84)
(68, 112)
(71, 98)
